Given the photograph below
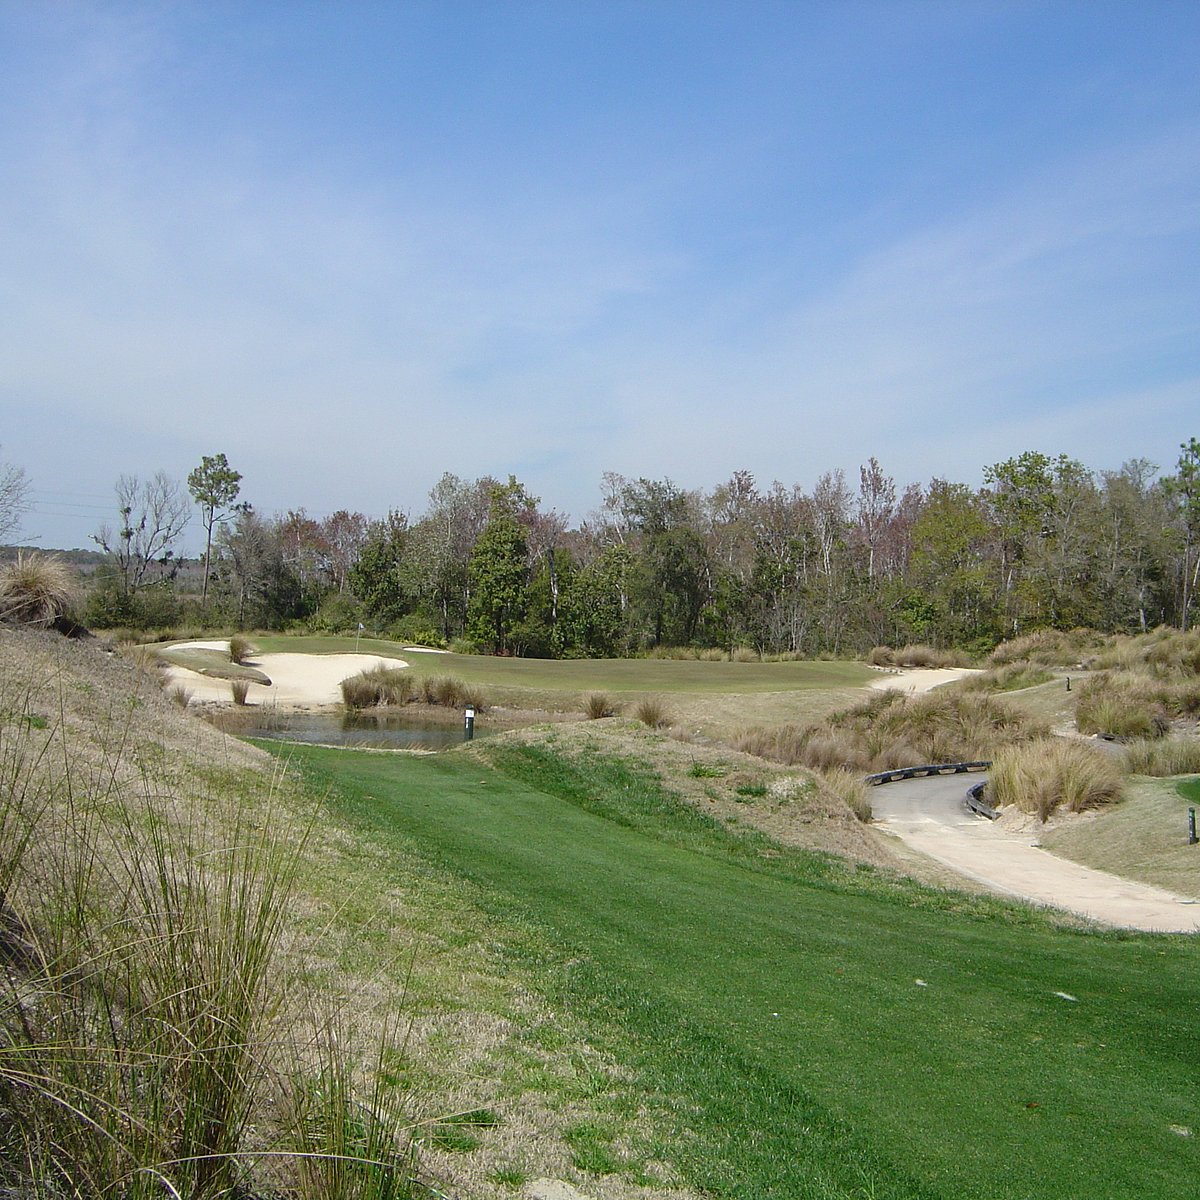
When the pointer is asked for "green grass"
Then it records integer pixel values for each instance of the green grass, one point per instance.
(609, 674)
(795, 1026)
(1189, 789)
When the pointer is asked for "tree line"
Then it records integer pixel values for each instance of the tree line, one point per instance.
(847, 565)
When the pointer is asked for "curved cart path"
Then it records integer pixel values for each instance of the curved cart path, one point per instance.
(929, 815)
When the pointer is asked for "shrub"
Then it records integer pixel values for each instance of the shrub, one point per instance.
(598, 705)
(1053, 773)
(1163, 756)
(240, 688)
(35, 589)
(744, 654)
(1049, 648)
(179, 695)
(882, 656)
(241, 648)
(652, 711)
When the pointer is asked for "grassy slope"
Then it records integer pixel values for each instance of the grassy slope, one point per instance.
(1143, 837)
(774, 1004)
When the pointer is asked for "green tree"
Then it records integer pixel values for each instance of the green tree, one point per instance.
(1184, 489)
(214, 485)
(378, 577)
(497, 572)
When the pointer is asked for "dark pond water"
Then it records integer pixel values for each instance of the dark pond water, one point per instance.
(373, 732)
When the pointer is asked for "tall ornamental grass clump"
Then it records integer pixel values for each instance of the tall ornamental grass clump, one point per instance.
(1163, 757)
(35, 590)
(1053, 773)
(889, 731)
(377, 687)
(1122, 704)
(148, 1029)
(241, 648)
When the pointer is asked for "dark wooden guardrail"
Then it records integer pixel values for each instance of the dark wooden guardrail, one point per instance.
(977, 804)
(929, 769)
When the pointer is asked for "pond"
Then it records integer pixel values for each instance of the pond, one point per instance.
(381, 731)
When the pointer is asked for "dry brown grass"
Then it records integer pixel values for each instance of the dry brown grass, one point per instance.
(1053, 773)
(597, 706)
(1164, 756)
(35, 590)
(651, 711)
(888, 731)
(917, 655)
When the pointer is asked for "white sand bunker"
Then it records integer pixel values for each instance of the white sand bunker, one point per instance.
(920, 679)
(297, 680)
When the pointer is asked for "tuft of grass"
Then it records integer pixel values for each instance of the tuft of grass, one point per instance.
(1122, 704)
(378, 686)
(850, 789)
(241, 648)
(889, 730)
(35, 590)
(1053, 773)
(240, 688)
(1163, 756)
(597, 705)
(650, 710)
(1009, 678)
(448, 691)
(179, 695)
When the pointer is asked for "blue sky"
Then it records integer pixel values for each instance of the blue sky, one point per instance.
(355, 245)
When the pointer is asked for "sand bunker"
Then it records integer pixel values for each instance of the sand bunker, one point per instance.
(297, 680)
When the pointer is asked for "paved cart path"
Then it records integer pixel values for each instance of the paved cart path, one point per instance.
(929, 815)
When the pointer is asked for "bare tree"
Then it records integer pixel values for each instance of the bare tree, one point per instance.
(14, 499)
(153, 515)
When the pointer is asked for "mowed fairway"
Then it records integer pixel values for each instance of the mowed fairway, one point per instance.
(808, 1030)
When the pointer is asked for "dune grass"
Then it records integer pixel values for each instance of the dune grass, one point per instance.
(889, 730)
(823, 1057)
(1051, 774)
(35, 589)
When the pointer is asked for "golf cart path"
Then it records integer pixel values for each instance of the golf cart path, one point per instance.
(929, 815)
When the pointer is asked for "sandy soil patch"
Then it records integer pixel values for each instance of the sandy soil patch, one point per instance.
(920, 679)
(297, 680)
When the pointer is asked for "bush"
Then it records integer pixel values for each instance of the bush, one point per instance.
(598, 705)
(1050, 648)
(1053, 773)
(240, 689)
(1009, 678)
(35, 589)
(449, 692)
(652, 711)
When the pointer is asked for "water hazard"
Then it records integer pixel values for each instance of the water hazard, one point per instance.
(362, 730)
